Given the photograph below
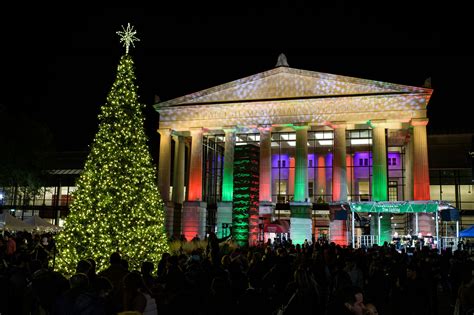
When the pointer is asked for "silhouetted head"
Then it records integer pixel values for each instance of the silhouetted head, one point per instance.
(115, 258)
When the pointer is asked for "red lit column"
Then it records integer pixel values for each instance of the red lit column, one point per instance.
(421, 178)
(321, 179)
(265, 176)
(338, 224)
(194, 212)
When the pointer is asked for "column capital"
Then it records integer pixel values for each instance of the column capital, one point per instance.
(196, 130)
(229, 129)
(300, 126)
(264, 128)
(419, 121)
(177, 136)
(164, 132)
(377, 123)
(336, 124)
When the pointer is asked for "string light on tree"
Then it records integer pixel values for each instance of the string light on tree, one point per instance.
(128, 37)
(117, 205)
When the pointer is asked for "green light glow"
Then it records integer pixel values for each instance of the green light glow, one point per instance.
(301, 172)
(379, 166)
(245, 193)
(117, 205)
(228, 175)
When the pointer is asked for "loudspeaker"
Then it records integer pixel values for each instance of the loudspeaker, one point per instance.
(450, 215)
(340, 215)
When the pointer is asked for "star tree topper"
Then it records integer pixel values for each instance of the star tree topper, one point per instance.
(127, 37)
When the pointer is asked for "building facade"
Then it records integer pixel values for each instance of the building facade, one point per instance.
(321, 139)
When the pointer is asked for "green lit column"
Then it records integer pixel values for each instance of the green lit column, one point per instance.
(195, 210)
(301, 163)
(164, 169)
(300, 219)
(421, 176)
(338, 228)
(265, 174)
(224, 208)
(379, 177)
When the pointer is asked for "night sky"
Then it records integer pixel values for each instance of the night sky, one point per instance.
(59, 64)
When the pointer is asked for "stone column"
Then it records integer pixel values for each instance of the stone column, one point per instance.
(380, 178)
(338, 226)
(321, 179)
(421, 175)
(178, 184)
(265, 174)
(339, 177)
(194, 212)
(300, 219)
(164, 164)
(408, 165)
(224, 208)
(164, 169)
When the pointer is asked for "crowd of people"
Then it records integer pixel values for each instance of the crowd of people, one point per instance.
(313, 278)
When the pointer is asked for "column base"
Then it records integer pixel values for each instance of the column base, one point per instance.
(338, 232)
(224, 216)
(301, 225)
(265, 208)
(169, 218)
(194, 219)
(178, 214)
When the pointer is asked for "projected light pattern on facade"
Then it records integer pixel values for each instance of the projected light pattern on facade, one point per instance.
(287, 95)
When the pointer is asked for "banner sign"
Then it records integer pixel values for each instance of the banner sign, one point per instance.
(394, 206)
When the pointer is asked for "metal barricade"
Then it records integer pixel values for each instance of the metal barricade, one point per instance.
(366, 241)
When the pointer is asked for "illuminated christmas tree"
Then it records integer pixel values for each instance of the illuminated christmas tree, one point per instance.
(117, 206)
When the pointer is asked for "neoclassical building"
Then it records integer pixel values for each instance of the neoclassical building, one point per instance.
(283, 144)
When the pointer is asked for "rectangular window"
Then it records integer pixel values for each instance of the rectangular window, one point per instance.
(392, 191)
(283, 163)
(366, 162)
(310, 163)
(361, 162)
(394, 161)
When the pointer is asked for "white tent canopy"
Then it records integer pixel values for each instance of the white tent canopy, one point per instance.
(41, 224)
(10, 223)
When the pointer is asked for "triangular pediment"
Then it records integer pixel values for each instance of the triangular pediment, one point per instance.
(290, 83)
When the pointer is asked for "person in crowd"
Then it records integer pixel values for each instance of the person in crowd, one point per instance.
(136, 297)
(302, 293)
(10, 249)
(465, 297)
(416, 290)
(370, 309)
(349, 300)
(115, 273)
(146, 270)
